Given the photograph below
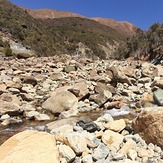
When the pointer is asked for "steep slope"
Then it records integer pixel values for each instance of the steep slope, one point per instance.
(124, 27)
(50, 14)
(148, 45)
(70, 35)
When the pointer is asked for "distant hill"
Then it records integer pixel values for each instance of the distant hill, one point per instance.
(125, 27)
(50, 14)
(60, 35)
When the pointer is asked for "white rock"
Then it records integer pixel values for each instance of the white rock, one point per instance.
(77, 142)
(112, 139)
(66, 152)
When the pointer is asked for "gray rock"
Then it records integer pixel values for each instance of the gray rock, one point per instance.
(4, 77)
(66, 152)
(72, 140)
(158, 97)
(87, 159)
(101, 152)
(69, 113)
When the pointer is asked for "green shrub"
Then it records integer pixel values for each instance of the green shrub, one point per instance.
(8, 51)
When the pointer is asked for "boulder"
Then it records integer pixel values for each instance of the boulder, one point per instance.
(66, 152)
(117, 125)
(130, 144)
(112, 140)
(23, 55)
(149, 125)
(103, 93)
(9, 108)
(30, 80)
(79, 89)
(60, 102)
(158, 97)
(149, 70)
(101, 152)
(158, 83)
(129, 71)
(70, 68)
(2, 88)
(56, 124)
(77, 142)
(30, 147)
(119, 75)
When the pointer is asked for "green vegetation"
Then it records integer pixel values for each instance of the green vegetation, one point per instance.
(8, 52)
(146, 44)
(52, 37)
(5, 48)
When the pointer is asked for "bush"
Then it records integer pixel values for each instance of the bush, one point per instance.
(8, 51)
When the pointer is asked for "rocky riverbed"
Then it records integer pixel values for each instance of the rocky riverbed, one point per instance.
(82, 109)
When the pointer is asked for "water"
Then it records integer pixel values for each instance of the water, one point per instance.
(12, 129)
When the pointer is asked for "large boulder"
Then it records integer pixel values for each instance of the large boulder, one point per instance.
(103, 93)
(9, 108)
(149, 70)
(60, 102)
(149, 125)
(30, 147)
(79, 89)
(119, 75)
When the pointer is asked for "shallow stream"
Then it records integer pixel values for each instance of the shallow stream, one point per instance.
(12, 129)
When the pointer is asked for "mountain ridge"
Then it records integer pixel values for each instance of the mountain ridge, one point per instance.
(124, 26)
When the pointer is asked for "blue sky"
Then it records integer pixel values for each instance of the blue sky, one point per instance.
(142, 13)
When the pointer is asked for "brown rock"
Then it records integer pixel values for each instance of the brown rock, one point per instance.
(117, 125)
(103, 93)
(30, 146)
(149, 70)
(30, 80)
(79, 89)
(129, 71)
(158, 83)
(119, 75)
(2, 88)
(149, 125)
(26, 97)
(11, 84)
(8, 107)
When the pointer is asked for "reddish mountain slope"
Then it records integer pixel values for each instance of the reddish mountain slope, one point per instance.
(51, 14)
(124, 26)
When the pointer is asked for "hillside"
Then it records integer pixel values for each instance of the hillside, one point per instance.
(124, 27)
(66, 35)
(146, 45)
(50, 14)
